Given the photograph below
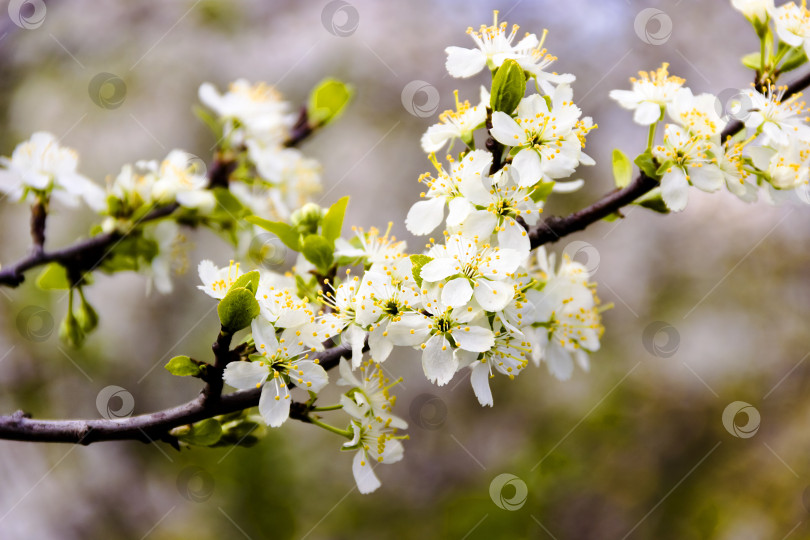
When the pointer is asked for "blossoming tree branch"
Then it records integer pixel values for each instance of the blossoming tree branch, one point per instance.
(484, 295)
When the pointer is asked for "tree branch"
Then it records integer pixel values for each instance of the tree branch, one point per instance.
(553, 228)
(80, 257)
(146, 427)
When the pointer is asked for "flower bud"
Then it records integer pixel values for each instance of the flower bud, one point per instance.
(308, 218)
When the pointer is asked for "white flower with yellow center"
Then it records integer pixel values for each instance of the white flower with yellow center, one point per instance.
(650, 94)
(550, 136)
(449, 337)
(383, 299)
(256, 107)
(217, 281)
(458, 124)
(779, 120)
(697, 114)
(463, 270)
(281, 360)
(180, 179)
(369, 396)
(499, 201)
(375, 442)
(371, 246)
(40, 164)
(494, 45)
(688, 159)
(753, 9)
(793, 24)
(567, 310)
(787, 166)
(508, 356)
(345, 305)
(732, 165)
(425, 216)
(282, 307)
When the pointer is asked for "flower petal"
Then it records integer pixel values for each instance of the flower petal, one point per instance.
(274, 403)
(245, 375)
(457, 292)
(438, 361)
(364, 475)
(424, 216)
(479, 379)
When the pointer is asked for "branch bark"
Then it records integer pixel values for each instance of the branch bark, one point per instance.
(146, 427)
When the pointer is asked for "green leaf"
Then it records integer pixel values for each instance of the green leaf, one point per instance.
(319, 251)
(183, 366)
(542, 191)
(249, 281)
(508, 87)
(417, 262)
(622, 169)
(210, 120)
(795, 58)
(333, 219)
(646, 163)
(653, 201)
(237, 309)
(53, 277)
(228, 203)
(752, 61)
(327, 101)
(204, 433)
(286, 233)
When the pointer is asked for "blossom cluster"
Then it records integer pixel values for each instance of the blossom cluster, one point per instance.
(481, 301)
(771, 155)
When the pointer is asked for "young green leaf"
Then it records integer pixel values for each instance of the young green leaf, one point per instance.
(622, 169)
(204, 433)
(508, 87)
(237, 309)
(653, 201)
(752, 61)
(646, 163)
(327, 101)
(333, 219)
(542, 191)
(793, 59)
(319, 251)
(286, 233)
(183, 366)
(53, 277)
(249, 281)
(417, 262)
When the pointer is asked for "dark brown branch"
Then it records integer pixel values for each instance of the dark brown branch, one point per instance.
(146, 427)
(80, 257)
(300, 130)
(553, 228)
(39, 214)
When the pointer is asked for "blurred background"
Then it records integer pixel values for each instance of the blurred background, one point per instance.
(711, 305)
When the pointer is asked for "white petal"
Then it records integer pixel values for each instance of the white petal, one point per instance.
(494, 295)
(457, 292)
(380, 345)
(675, 189)
(647, 113)
(356, 337)
(424, 216)
(479, 378)
(347, 377)
(528, 167)
(514, 237)
(438, 361)
(559, 362)
(245, 375)
(505, 130)
(476, 339)
(274, 404)
(309, 376)
(568, 187)
(411, 329)
(460, 208)
(464, 62)
(364, 475)
(439, 269)
(708, 177)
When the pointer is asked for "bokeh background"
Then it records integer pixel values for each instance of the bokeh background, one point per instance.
(711, 305)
